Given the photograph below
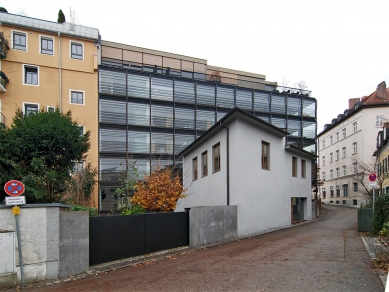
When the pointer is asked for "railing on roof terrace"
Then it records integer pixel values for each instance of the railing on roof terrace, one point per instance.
(216, 76)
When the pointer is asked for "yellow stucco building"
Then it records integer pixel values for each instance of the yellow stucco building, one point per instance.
(48, 64)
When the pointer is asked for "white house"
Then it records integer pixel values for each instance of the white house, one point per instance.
(244, 161)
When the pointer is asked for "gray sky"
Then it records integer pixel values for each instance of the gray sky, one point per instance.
(339, 48)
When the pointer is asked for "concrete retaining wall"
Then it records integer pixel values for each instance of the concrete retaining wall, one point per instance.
(212, 224)
(365, 219)
(49, 237)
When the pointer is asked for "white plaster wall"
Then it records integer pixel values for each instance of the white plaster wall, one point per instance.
(264, 197)
(210, 190)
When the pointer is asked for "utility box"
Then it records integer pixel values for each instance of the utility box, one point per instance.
(7, 252)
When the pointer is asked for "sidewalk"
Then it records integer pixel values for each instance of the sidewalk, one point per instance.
(374, 248)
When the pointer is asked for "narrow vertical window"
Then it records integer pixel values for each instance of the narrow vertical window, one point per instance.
(216, 157)
(355, 127)
(265, 155)
(303, 170)
(194, 168)
(324, 160)
(324, 193)
(344, 133)
(355, 148)
(204, 163)
(294, 166)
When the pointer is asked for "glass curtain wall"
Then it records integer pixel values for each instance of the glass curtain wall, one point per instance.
(150, 118)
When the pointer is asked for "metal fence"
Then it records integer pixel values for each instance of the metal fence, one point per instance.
(113, 238)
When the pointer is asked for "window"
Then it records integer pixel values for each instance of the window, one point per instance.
(344, 133)
(194, 168)
(345, 190)
(378, 122)
(30, 75)
(379, 168)
(324, 160)
(355, 187)
(337, 136)
(216, 157)
(337, 191)
(82, 129)
(303, 168)
(294, 166)
(337, 154)
(331, 192)
(50, 108)
(78, 166)
(331, 140)
(385, 166)
(355, 148)
(324, 193)
(337, 172)
(331, 173)
(324, 175)
(19, 40)
(344, 152)
(344, 170)
(77, 97)
(355, 167)
(265, 155)
(46, 45)
(331, 157)
(204, 163)
(76, 50)
(30, 108)
(355, 127)
(324, 144)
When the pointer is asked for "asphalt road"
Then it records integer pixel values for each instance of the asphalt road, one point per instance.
(327, 255)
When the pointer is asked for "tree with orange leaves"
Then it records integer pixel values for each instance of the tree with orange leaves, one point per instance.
(160, 191)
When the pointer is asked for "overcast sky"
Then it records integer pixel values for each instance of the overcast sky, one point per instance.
(339, 48)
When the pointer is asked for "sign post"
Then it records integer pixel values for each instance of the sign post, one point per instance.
(15, 188)
(373, 183)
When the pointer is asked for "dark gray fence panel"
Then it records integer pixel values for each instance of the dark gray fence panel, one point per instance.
(113, 238)
(365, 218)
(166, 230)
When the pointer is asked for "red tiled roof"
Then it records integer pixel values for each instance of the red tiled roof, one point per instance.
(372, 98)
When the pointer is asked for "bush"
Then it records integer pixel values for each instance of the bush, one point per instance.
(133, 210)
(381, 213)
(93, 212)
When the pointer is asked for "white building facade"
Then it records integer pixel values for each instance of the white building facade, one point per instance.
(346, 143)
(243, 161)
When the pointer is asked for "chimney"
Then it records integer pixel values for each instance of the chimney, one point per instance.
(352, 102)
(381, 91)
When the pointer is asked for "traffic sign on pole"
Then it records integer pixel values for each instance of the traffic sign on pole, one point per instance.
(14, 188)
(372, 177)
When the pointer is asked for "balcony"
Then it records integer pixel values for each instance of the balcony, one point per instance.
(3, 81)
(4, 47)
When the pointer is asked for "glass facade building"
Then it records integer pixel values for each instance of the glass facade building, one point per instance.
(151, 113)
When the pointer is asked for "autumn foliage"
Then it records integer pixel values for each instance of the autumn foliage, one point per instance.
(159, 191)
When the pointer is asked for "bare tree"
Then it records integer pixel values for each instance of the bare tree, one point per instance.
(302, 85)
(22, 12)
(285, 81)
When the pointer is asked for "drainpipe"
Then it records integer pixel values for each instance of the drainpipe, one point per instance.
(228, 162)
(60, 71)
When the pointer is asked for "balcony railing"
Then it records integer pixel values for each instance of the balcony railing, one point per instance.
(4, 47)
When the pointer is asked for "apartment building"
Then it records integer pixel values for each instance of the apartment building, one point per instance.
(382, 159)
(48, 64)
(153, 104)
(346, 143)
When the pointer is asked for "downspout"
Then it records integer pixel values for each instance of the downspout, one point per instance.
(60, 70)
(228, 162)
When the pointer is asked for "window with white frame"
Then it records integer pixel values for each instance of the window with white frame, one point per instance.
(337, 136)
(78, 166)
(331, 140)
(344, 133)
(30, 108)
(344, 170)
(82, 129)
(19, 40)
(355, 127)
(323, 175)
(345, 190)
(77, 97)
(355, 148)
(337, 172)
(324, 160)
(77, 50)
(331, 192)
(355, 187)
(344, 152)
(378, 121)
(355, 167)
(337, 154)
(331, 157)
(337, 191)
(46, 45)
(31, 75)
(331, 173)
(50, 108)
(324, 192)
(324, 144)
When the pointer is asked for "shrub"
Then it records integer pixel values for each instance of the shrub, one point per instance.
(93, 212)
(381, 213)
